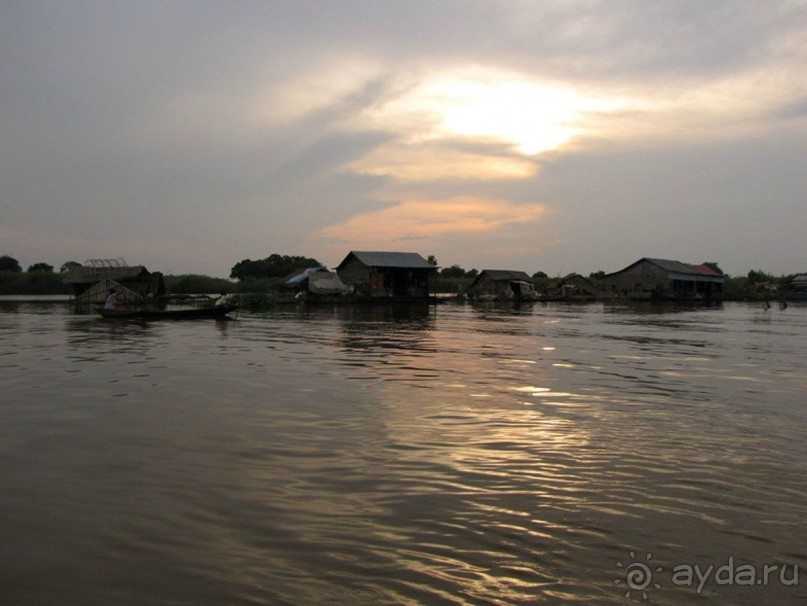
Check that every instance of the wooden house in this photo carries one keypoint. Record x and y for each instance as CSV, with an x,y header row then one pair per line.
x,y
501,284
572,287
91,282
386,275
663,279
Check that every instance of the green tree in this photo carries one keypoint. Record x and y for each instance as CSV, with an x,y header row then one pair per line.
x,y
273,266
8,263
539,275
193,284
43,267
432,260
455,271
757,276
68,265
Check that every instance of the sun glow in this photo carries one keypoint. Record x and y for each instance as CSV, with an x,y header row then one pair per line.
x,y
534,119
495,108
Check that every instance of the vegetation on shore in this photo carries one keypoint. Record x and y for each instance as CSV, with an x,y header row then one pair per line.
x,y
262,277
32,283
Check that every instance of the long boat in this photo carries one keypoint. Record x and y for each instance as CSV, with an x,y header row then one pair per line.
x,y
185,313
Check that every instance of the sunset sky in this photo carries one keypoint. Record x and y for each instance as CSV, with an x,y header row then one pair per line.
x,y
551,135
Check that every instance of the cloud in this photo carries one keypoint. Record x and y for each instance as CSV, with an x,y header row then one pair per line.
x,y
430,220
444,160
266,126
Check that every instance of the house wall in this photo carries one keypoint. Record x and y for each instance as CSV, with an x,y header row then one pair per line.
x,y
357,274
578,286
638,281
486,285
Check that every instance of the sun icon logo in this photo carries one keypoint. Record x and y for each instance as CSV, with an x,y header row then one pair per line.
x,y
638,575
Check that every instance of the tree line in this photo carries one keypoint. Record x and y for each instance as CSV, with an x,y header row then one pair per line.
x,y
11,265
263,275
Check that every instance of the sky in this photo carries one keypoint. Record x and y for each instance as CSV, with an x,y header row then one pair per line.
x,y
543,135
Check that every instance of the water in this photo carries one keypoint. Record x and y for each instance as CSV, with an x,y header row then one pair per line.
x,y
448,455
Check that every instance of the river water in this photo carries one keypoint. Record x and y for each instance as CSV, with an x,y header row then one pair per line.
x,y
397,455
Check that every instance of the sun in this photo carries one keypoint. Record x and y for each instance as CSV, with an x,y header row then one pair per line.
x,y
493,107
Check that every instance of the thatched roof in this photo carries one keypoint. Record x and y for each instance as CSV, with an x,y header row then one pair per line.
x,y
90,275
503,275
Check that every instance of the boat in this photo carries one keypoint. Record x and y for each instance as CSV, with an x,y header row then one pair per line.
x,y
185,313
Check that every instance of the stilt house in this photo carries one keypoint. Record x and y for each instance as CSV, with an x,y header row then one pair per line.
x,y
387,275
501,284
91,282
663,279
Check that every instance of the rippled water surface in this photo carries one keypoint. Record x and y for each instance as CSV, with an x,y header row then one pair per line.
x,y
443,455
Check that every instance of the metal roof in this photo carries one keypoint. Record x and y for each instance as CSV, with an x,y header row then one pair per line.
x,y
404,260
684,268
676,267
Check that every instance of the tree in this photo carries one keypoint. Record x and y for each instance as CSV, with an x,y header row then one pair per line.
x,y
455,271
273,266
68,265
43,267
8,263
539,275
757,276
472,273
432,260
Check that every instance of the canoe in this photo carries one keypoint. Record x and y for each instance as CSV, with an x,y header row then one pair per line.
x,y
185,313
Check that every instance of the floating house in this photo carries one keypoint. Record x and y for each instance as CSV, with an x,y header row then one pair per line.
x,y
501,284
572,287
663,279
796,289
386,275
92,281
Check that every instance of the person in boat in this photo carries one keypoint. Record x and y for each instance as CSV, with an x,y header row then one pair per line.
x,y
111,300
224,299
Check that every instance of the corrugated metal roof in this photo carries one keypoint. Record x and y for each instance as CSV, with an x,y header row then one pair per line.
x,y
683,268
404,260
676,267
705,270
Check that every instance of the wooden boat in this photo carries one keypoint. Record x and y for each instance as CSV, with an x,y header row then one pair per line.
x,y
185,313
